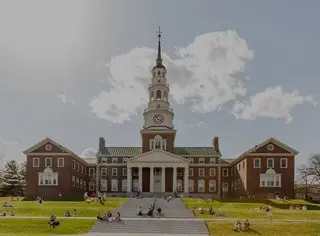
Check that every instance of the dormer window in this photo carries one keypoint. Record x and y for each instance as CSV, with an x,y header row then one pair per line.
x,y
158,143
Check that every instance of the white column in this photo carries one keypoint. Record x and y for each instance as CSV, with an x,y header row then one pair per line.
x,y
151,180
129,179
140,178
174,184
186,179
163,179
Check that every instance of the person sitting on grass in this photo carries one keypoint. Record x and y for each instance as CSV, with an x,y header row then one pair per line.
x,y
140,211
159,210
201,210
109,216
11,213
6,204
246,225
75,213
238,226
99,217
211,211
68,214
2,213
53,221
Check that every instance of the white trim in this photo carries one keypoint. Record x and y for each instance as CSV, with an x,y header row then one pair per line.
x,y
214,172
33,159
104,171
201,186
114,160
281,163
201,160
225,187
270,179
223,175
202,171
114,185
60,158
191,172
45,162
268,163
51,178
270,154
179,158
254,163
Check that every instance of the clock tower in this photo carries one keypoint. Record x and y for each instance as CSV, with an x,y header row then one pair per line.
x,y
158,131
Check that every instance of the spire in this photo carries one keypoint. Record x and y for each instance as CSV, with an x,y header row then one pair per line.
x,y
159,58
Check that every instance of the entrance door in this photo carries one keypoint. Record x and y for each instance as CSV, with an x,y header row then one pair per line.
x,y
135,185
157,186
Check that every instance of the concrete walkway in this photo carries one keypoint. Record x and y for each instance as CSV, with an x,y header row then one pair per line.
x,y
166,219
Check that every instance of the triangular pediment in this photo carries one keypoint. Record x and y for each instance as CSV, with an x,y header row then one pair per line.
x,y
158,156
47,145
271,146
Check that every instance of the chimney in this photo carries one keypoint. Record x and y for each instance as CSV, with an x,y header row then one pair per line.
x,y
102,144
215,143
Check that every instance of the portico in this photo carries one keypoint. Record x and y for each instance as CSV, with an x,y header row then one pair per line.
x,y
157,171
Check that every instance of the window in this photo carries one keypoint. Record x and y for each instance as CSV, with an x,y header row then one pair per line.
x,y
82,168
85,170
235,185
73,181
191,160
47,177
231,186
78,166
104,185
190,171
114,184
84,185
239,183
60,162
191,185
77,182
225,187
211,172
114,171
243,164
158,143
212,160
179,172
158,93
201,160
124,185
36,162
239,167
124,160
103,171
48,162
201,185
80,183
225,172
114,160
124,171
256,162
270,179
92,172
201,172
157,171
212,185
91,186
284,163
270,163
103,160
179,185
231,171
73,165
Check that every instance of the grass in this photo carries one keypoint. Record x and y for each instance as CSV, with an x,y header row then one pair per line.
x,y
267,229
39,227
251,210
33,208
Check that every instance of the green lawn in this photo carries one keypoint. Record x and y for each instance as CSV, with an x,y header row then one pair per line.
x,y
33,208
39,227
251,210
267,229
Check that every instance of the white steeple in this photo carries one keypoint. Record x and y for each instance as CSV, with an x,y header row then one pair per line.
x,y
158,115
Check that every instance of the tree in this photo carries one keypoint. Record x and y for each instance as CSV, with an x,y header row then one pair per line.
x,y
314,166
13,179
304,181
22,177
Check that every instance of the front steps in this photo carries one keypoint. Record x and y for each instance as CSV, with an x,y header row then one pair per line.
x,y
148,227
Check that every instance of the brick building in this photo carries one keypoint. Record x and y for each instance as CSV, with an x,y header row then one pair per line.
x,y
158,166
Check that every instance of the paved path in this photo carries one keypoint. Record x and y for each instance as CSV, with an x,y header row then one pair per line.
x,y
165,219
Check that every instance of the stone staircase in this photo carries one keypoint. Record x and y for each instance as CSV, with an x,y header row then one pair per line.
x,y
172,209
176,219
154,227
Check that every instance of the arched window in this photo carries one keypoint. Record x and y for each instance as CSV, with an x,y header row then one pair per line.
x,y
165,95
158,143
151,96
158,94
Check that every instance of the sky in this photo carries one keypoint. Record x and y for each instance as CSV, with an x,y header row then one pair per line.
x,y
77,70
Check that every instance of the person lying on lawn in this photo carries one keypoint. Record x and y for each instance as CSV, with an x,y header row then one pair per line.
x,y
68,214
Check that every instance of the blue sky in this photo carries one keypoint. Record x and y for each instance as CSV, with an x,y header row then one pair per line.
x,y
61,63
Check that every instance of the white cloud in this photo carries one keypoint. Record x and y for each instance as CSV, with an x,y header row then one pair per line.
x,y
89,152
5,142
65,99
201,76
273,102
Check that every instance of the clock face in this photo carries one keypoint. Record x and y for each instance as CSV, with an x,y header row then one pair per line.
x,y
158,119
